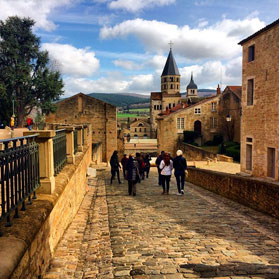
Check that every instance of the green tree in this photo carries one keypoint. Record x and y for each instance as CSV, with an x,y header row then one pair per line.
x,y
26,75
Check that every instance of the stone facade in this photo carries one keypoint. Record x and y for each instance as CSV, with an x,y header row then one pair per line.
x,y
260,103
140,129
81,108
199,117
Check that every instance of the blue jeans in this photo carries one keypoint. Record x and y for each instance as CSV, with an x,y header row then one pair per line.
x,y
180,180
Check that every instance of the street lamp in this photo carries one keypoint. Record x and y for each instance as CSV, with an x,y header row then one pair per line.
x,y
228,118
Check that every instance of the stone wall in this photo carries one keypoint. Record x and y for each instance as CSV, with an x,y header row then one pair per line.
x,y
259,121
194,153
80,109
27,246
259,194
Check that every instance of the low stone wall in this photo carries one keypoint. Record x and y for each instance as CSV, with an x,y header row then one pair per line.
x,y
255,193
27,247
194,153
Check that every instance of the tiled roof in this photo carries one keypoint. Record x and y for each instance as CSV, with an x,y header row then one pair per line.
x,y
236,90
156,96
170,67
259,32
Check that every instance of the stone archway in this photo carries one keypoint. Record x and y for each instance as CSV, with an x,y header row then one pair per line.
x,y
198,126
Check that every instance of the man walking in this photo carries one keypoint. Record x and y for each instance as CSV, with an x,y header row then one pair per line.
x,y
180,166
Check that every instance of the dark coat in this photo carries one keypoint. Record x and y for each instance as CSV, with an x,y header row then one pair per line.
x,y
179,164
114,163
132,168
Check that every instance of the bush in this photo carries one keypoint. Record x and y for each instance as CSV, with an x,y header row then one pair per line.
x,y
233,151
218,139
190,136
209,143
195,144
231,143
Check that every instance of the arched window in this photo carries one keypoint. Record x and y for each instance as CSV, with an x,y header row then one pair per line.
x,y
171,86
140,125
197,126
135,136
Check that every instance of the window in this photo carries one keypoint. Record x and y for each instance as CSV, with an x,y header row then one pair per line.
x,y
165,79
154,107
250,92
180,123
171,79
171,87
251,53
193,91
145,130
271,162
173,104
140,125
140,129
213,122
160,107
248,156
177,79
213,106
249,139
169,106
165,86
197,110
135,129
177,86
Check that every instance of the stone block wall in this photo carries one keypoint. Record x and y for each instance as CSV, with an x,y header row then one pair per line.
x,y
256,193
34,236
194,153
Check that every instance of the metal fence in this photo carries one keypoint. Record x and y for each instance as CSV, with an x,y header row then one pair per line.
x,y
19,175
75,141
59,150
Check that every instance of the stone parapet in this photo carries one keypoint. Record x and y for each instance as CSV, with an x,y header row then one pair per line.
x,y
31,241
260,194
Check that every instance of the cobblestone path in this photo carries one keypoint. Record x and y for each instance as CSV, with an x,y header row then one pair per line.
x,y
152,236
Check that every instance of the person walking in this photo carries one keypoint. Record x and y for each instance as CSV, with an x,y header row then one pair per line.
x,y
147,160
157,162
114,164
141,166
166,167
133,174
124,162
180,166
29,123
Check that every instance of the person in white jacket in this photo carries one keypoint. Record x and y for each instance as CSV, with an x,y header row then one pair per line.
x,y
166,167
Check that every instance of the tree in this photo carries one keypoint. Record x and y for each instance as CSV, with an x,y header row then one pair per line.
x,y
26,75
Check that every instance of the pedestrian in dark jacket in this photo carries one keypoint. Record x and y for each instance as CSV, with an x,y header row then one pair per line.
x,y
141,165
180,166
124,162
147,160
133,174
157,162
114,164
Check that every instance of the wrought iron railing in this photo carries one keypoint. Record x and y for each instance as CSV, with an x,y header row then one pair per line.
x,y
59,150
75,141
19,175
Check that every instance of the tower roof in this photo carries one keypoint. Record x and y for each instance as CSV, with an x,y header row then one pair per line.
x,y
192,84
170,67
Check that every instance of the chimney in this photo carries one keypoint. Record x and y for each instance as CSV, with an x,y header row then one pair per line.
x,y
218,90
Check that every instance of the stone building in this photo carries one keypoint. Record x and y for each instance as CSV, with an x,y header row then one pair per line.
x,y
260,103
140,129
170,95
230,113
82,108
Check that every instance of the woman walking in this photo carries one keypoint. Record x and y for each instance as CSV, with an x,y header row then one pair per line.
x,y
166,167
133,174
114,164
180,166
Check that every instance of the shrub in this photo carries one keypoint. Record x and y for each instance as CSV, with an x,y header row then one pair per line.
x,y
231,143
190,136
209,143
218,139
233,151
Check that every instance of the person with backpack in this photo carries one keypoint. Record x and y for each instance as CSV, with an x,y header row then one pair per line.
x,y
147,160
114,164
180,167
166,167
157,162
132,174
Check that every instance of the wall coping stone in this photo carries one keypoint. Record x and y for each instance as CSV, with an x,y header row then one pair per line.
x,y
42,133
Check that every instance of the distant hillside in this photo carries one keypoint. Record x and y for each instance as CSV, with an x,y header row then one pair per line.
x,y
120,100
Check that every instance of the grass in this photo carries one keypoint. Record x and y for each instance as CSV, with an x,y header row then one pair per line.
x,y
140,110
126,115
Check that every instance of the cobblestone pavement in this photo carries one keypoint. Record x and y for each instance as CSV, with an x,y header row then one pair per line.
x,y
153,236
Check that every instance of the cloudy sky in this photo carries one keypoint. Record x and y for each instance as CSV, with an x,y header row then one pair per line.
x,y
122,45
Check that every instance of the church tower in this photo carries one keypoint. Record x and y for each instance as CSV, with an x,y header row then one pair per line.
x,y
192,88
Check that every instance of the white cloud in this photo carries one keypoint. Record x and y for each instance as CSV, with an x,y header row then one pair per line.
x,y
39,10
73,61
218,41
127,64
137,5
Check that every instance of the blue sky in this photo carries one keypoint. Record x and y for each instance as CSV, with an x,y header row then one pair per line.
x,y
122,45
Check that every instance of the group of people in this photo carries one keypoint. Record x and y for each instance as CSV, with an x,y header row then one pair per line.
x,y
136,167
165,164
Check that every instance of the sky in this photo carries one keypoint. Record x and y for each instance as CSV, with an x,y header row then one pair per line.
x,y
121,46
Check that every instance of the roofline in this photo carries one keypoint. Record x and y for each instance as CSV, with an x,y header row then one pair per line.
x,y
228,86
259,32
80,93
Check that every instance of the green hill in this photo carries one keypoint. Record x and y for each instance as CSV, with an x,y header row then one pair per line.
x,y
119,100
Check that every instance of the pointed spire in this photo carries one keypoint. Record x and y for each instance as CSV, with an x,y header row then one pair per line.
x,y
170,67
192,84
